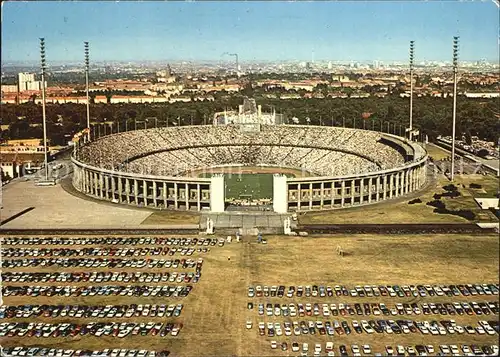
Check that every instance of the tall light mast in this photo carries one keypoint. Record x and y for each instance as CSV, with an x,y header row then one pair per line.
x,y
412,49
43,68
455,70
86,45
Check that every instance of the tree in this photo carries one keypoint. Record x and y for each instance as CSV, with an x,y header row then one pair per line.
x,y
108,96
5,176
391,114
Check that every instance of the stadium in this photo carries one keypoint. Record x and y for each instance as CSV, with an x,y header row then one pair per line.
x,y
248,160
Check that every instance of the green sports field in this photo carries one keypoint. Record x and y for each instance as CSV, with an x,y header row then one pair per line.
x,y
251,186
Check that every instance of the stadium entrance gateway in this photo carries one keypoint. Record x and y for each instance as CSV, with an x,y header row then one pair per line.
x,y
253,192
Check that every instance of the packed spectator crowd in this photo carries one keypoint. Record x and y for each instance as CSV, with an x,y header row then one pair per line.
x,y
324,151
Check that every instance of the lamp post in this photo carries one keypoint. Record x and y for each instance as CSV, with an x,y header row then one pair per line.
x,y
43,67
455,69
412,49
86,46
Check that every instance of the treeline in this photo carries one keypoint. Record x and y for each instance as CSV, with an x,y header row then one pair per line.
x,y
432,115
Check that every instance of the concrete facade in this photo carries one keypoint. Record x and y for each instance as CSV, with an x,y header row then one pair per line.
x,y
322,193
280,202
289,194
178,193
217,193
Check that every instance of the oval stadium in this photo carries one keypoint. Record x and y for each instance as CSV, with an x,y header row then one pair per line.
x,y
248,160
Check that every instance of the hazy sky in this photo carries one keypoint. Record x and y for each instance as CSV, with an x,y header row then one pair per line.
x,y
360,30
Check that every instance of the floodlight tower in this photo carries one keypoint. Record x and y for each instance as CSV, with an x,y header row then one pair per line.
x,y
412,49
455,70
237,63
86,46
43,68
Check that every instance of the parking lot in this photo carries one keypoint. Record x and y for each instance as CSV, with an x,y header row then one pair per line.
x,y
64,292
385,294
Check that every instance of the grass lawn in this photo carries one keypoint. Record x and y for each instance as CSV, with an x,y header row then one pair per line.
x,y
215,312
172,217
252,186
436,152
399,211
250,182
248,185
489,184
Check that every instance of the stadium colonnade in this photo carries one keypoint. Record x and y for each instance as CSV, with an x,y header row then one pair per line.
x,y
289,194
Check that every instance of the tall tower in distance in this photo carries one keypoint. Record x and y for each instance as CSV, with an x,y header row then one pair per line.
x,y
24,79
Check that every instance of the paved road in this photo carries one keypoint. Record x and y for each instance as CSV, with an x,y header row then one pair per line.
x,y
491,162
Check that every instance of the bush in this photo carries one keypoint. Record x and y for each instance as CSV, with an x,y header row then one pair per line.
x,y
467,214
495,211
451,194
450,188
475,185
416,200
441,210
483,153
437,203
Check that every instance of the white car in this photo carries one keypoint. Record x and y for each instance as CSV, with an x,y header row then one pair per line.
x,y
366,349
329,346
295,347
444,349
274,345
480,330
489,330
317,347
454,350
249,324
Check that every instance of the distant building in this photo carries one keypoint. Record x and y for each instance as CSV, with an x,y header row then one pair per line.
x,y
27,82
483,95
25,77
249,114
9,88
340,78
17,156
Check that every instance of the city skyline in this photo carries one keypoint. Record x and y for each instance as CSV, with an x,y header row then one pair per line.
x,y
278,31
